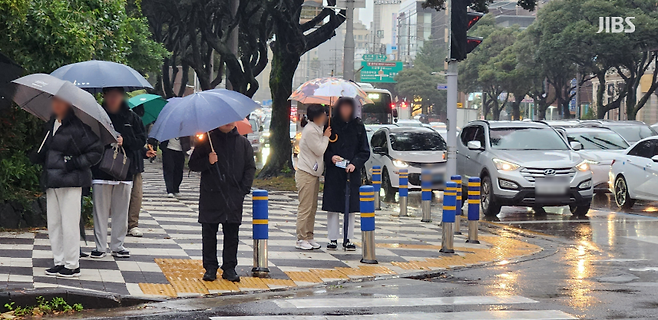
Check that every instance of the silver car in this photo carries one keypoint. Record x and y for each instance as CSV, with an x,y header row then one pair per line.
x,y
523,164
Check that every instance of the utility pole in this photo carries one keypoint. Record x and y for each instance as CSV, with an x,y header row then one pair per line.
x,y
348,59
451,77
233,38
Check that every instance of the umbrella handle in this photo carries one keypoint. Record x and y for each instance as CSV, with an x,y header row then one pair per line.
x,y
210,141
335,139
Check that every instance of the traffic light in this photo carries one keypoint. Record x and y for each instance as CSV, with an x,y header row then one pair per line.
x,y
460,21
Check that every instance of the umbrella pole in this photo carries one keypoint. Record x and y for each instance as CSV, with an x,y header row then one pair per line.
x,y
219,174
331,107
346,221
210,141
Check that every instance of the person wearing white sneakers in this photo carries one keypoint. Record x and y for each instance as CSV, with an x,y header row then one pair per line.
x,y
310,166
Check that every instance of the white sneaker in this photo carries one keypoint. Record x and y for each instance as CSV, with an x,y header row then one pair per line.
x,y
135,232
304,245
171,195
177,194
314,244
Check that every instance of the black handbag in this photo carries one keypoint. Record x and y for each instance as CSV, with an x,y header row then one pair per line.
x,y
115,163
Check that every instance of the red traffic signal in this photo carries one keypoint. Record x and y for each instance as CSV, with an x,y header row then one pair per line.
x,y
461,21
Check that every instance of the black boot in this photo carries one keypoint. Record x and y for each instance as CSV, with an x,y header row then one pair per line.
x,y
210,275
231,275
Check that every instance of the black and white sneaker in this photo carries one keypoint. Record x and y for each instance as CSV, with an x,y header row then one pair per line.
x,y
97,254
68,273
53,271
121,254
349,246
333,244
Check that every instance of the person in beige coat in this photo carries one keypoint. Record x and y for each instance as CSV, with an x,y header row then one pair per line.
x,y
310,166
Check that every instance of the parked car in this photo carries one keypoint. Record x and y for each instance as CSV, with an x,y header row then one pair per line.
x,y
409,123
632,131
523,164
256,137
634,174
395,148
600,146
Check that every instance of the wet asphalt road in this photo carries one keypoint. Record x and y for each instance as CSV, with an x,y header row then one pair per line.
x,y
604,266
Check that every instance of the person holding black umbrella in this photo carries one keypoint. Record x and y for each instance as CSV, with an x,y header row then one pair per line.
x,y
226,162
344,160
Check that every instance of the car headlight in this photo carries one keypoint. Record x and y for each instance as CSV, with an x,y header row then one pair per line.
x,y
400,163
585,165
505,165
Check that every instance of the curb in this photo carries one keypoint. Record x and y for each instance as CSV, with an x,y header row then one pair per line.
x,y
89,299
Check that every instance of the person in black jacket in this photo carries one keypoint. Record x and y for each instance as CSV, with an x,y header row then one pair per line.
x,y
173,163
227,172
352,145
112,196
67,152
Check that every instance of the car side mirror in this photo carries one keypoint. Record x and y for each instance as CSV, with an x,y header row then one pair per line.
x,y
654,158
474,145
379,150
576,145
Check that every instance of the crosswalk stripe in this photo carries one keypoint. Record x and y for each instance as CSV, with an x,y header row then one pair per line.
x,y
467,315
399,302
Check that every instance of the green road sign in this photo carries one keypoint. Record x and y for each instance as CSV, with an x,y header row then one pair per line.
x,y
374,57
374,71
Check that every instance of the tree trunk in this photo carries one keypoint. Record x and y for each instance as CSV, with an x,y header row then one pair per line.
x,y
631,101
516,110
284,64
495,110
600,107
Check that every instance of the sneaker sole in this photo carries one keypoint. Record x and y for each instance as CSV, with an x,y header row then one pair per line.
x,y
97,257
122,256
68,275
51,273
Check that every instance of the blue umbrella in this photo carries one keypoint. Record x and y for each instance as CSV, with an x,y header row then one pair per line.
x,y
94,75
201,112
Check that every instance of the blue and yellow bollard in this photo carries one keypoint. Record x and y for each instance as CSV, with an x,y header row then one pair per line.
x,y
473,209
367,194
377,184
404,191
426,194
259,228
448,220
458,203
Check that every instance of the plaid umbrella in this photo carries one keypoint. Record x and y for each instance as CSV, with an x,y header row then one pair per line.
x,y
328,90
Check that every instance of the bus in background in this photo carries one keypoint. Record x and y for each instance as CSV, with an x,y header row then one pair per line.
x,y
382,110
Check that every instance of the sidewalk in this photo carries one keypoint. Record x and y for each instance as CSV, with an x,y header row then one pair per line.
x,y
166,262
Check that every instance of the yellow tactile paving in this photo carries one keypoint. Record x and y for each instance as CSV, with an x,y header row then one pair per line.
x,y
329,274
377,270
189,286
251,283
355,272
303,276
279,283
220,285
158,289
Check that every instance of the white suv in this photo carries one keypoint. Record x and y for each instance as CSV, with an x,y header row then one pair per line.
x,y
523,164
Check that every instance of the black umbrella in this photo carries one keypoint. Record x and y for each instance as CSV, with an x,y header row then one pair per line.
x,y
10,71
347,209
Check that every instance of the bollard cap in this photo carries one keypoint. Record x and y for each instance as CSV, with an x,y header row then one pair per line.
x,y
473,179
451,184
456,178
260,193
366,189
376,167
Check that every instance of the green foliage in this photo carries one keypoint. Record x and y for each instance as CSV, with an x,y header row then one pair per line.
x,y
56,306
419,85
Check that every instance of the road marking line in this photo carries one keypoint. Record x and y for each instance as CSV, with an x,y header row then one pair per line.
x,y
398,302
468,315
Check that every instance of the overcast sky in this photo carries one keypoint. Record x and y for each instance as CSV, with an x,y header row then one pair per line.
x,y
366,14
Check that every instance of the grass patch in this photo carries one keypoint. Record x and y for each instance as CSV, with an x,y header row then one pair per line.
x,y
280,183
56,306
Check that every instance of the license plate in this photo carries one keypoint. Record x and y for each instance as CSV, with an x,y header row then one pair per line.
x,y
550,187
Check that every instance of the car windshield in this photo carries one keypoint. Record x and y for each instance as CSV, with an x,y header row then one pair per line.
x,y
599,140
417,141
633,133
526,139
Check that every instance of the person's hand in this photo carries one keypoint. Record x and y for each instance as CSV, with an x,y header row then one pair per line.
x,y
350,168
120,140
327,132
212,158
151,154
336,159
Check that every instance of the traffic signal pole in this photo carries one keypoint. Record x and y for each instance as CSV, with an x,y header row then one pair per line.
x,y
451,77
348,59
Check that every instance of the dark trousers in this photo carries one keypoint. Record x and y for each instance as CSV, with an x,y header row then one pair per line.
x,y
229,251
173,164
